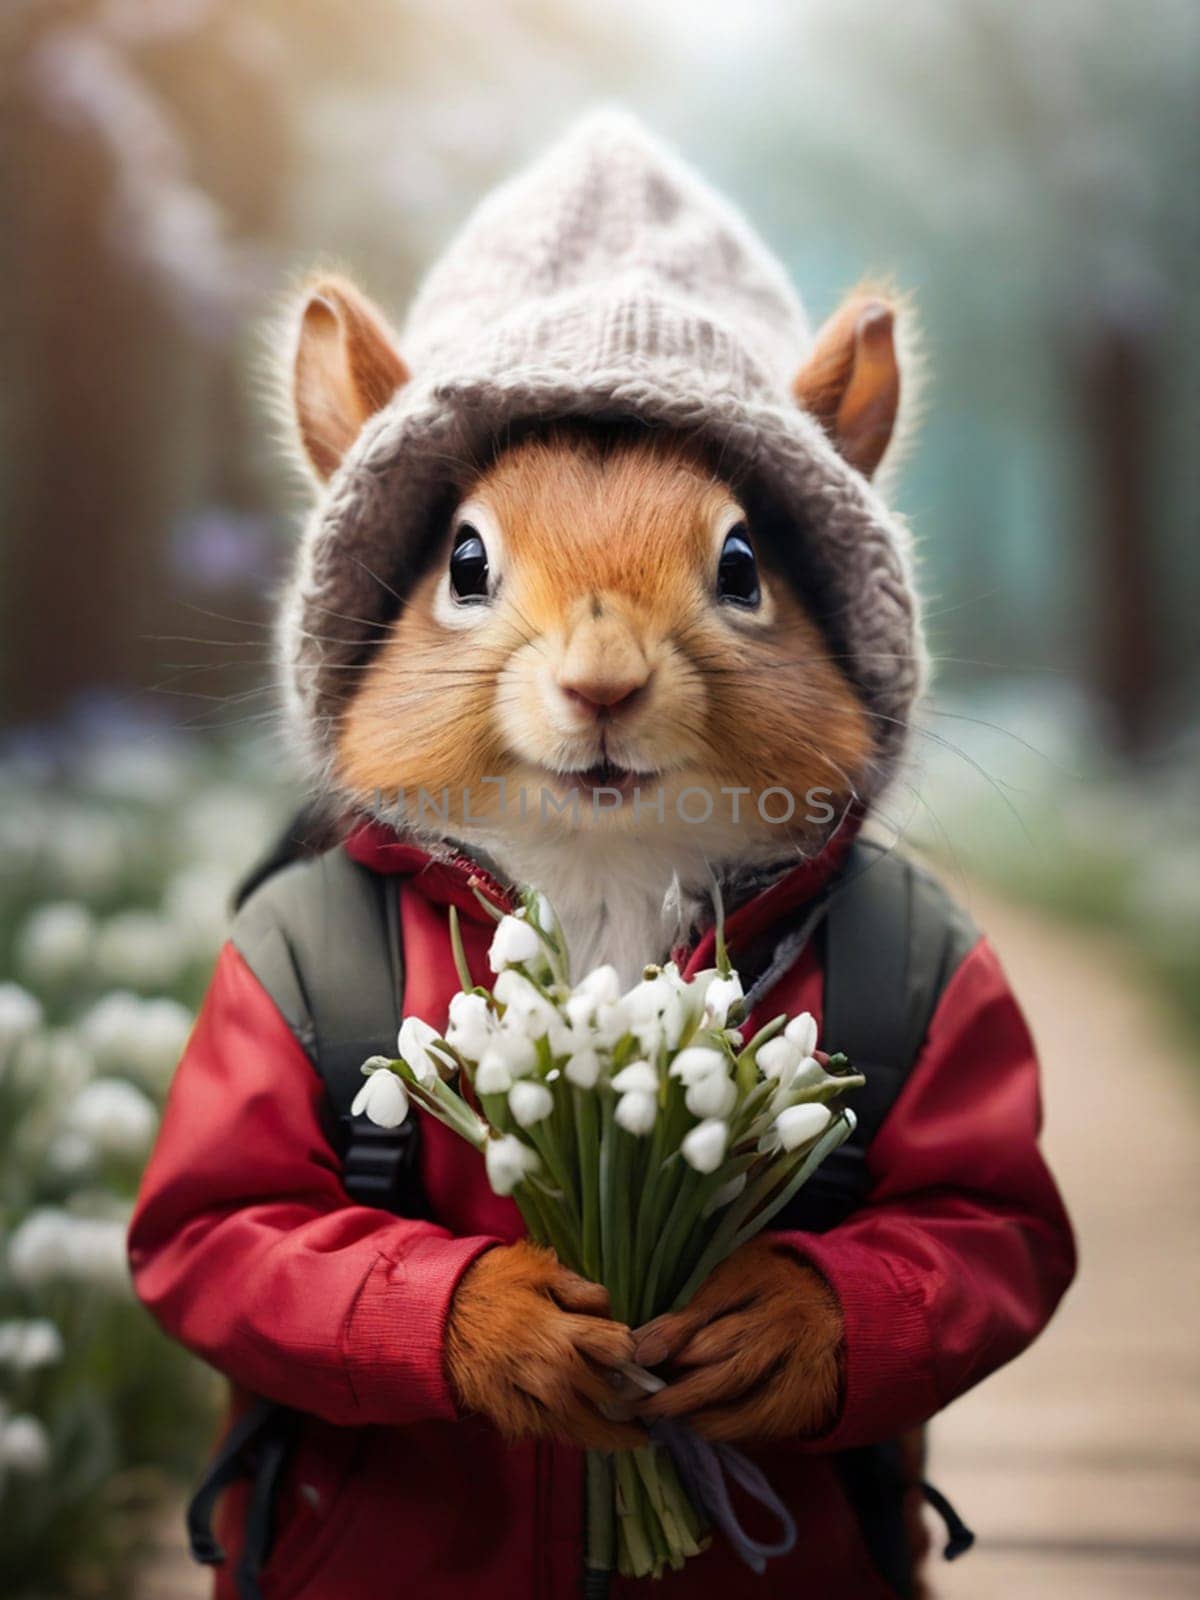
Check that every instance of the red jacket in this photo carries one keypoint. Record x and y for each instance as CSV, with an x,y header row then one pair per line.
x,y
245,1246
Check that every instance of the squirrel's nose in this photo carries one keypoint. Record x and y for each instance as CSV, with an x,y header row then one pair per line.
x,y
603,669
602,695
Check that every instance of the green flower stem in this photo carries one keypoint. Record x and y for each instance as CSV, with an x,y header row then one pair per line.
x,y
762,1201
601,1548
587,1135
636,1551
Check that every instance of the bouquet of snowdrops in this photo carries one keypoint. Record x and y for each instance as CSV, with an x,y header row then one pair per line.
x,y
642,1137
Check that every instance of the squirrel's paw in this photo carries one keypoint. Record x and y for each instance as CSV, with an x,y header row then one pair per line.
x,y
530,1345
755,1354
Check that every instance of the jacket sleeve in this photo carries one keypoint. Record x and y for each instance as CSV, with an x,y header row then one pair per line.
x,y
964,1249
245,1247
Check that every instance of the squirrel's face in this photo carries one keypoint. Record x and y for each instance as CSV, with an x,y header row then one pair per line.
x,y
603,638
601,629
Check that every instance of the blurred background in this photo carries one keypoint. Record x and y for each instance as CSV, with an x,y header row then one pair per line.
x,y
167,167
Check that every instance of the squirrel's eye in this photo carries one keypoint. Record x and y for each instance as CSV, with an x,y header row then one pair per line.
x,y
468,565
737,570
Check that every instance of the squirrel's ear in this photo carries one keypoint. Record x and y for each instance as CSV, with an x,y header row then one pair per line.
x,y
851,379
346,369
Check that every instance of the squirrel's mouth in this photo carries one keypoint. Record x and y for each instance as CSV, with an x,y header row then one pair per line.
x,y
608,775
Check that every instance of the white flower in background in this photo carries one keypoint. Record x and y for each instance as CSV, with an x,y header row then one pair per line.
x,y
636,1111
417,1045
639,1077
719,998
583,1069
802,1032
383,1099
196,900
471,1025
114,1116
54,944
139,948
70,1155
145,1037
38,1248
24,1447
610,1023
704,1147
515,941
799,1125
51,1243
696,1062
86,853
530,1102
508,1160
20,1017
713,1095
27,1345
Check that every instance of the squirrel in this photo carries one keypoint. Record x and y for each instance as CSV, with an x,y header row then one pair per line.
x,y
597,595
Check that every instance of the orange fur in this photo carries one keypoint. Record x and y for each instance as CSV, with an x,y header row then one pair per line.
x,y
530,1346
615,541
755,1354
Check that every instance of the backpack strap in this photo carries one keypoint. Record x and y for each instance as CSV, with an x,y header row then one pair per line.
x,y
322,936
893,940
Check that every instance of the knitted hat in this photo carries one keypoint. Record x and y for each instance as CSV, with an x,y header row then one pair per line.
x,y
607,281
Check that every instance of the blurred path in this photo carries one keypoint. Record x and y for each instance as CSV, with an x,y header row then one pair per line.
x,y
1078,1466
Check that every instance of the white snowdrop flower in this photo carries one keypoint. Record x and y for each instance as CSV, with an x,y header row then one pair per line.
x,y
713,1095
55,942
704,1147
516,1050
544,913
508,1160
24,1447
492,1075
513,942
638,1077
579,1010
20,1015
728,1192
29,1344
383,1100
417,1046
139,948
610,1023
471,1025
696,1062
525,1007
798,1125
647,1000
636,1111
778,1058
797,1081
601,986
721,995
114,1116
530,1102
38,1248
583,1069
802,1032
